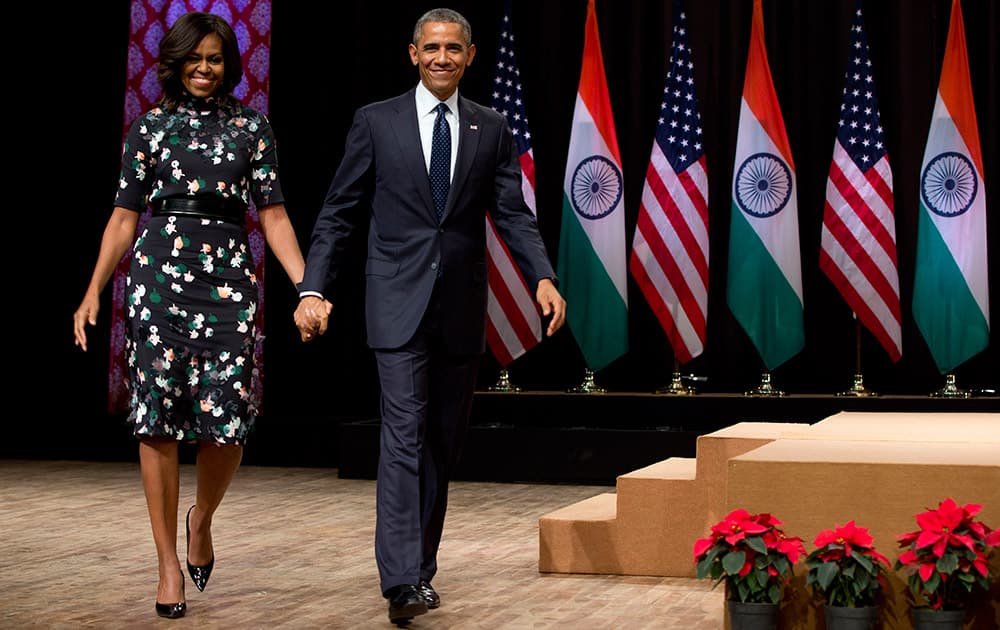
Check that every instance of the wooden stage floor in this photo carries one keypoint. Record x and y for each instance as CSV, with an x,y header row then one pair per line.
x,y
294,549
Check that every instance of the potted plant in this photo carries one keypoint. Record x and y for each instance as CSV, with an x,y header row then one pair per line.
x,y
753,557
847,575
945,561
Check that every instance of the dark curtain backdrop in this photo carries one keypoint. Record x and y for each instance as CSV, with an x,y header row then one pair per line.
x,y
329,58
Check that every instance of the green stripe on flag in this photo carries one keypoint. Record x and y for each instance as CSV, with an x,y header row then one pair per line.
x,y
943,307
595,311
760,296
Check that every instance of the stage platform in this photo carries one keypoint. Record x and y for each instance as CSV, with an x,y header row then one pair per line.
x,y
558,437
879,469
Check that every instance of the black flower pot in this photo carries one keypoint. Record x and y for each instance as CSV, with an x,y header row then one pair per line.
x,y
847,618
930,619
752,616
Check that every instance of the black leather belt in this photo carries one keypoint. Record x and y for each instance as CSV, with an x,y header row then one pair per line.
x,y
204,207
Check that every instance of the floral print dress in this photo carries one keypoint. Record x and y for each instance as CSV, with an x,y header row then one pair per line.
x,y
191,294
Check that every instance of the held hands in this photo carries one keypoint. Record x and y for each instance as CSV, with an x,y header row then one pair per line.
x,y
552,303
311,316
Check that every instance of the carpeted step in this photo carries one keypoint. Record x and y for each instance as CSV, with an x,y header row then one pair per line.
x,y
580,538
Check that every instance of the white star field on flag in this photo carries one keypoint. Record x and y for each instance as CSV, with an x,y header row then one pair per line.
x,y
678,130
507,90
859,129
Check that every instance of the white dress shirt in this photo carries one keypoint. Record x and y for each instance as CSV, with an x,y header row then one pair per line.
x,y
426,114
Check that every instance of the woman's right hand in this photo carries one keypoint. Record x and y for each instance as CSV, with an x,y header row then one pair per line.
x,y
85,314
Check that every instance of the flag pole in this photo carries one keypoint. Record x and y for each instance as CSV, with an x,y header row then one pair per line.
x,y
676,387
765,388
857,388
588,386
950,389
503,383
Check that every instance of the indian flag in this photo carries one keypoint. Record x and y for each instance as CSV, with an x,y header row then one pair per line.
x,y
764,287
951,287
591,267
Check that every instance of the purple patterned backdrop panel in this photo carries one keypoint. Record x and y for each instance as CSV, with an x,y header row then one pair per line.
x,y
251,19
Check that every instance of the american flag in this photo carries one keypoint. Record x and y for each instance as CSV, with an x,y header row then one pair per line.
x,y
513,325
669,257
858,244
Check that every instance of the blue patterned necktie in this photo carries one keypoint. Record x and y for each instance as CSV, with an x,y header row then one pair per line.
x,y
440,171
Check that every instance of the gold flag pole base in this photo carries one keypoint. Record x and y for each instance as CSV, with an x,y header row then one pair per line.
x,y
588,386
764,388
950,390
858,389
676,387
503,383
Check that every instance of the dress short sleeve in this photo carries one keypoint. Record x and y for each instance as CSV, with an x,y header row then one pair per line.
x,y
265,187
138,163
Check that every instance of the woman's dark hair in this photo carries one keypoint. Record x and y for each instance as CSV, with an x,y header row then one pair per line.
x,y
182,38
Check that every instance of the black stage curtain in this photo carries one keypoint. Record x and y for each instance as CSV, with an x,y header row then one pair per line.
x,y
329,58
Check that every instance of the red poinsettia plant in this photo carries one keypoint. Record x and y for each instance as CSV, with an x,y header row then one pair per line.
x,y
845,569
946,560
751,554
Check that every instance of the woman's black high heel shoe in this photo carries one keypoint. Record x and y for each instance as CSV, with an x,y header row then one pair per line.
x,y
199,575
173,611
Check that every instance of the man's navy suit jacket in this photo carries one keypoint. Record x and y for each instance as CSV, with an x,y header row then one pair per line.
x,y
383,175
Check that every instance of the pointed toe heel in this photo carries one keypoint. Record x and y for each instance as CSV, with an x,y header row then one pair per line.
x,y
173,611
199,574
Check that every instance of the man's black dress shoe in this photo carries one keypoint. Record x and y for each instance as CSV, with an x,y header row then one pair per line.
x,y
429,594
405,603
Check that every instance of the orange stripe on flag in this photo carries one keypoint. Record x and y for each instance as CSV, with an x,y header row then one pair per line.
x,y
758,88
593,90
955,86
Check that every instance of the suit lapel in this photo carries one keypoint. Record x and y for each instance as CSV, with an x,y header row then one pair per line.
x,y
468,144
406,126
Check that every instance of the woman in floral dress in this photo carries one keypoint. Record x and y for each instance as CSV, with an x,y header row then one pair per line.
x,y
199,157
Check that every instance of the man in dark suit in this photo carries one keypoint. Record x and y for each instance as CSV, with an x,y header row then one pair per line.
x,y
426,284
